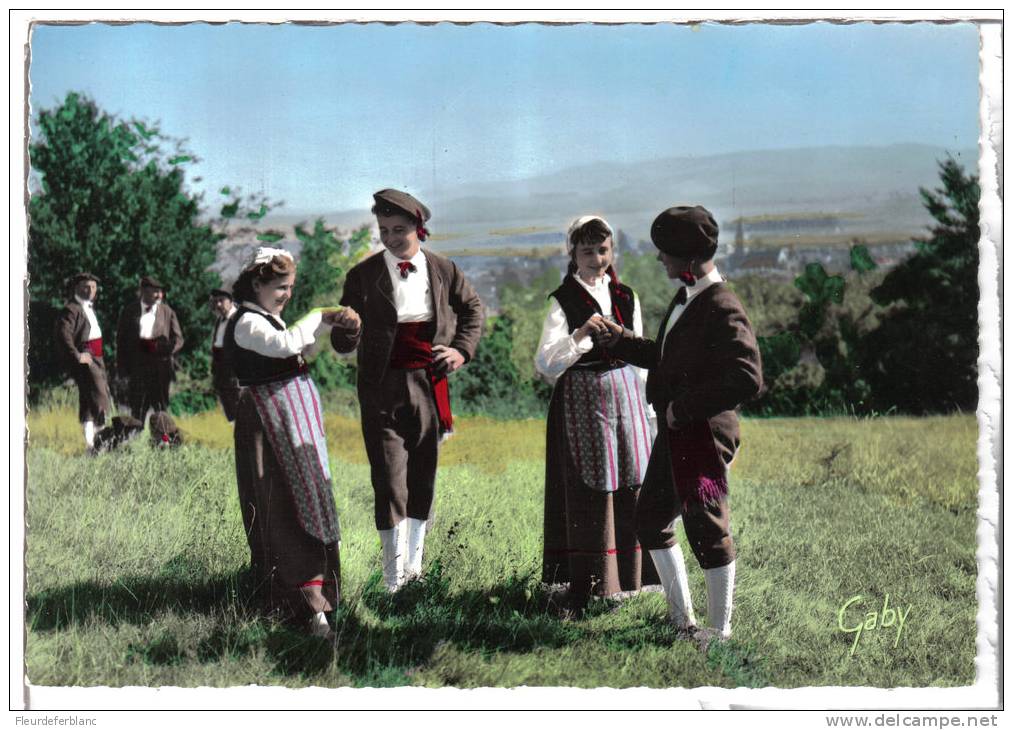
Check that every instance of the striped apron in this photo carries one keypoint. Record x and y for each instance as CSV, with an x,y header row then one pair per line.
x,y
291,413
607,427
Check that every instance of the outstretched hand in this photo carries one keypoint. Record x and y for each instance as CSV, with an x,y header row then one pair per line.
x,y
609,334
446,359
343,319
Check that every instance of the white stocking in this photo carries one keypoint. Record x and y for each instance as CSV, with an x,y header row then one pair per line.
x,y
720,589
672,571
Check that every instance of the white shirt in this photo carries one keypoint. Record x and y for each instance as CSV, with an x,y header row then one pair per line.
x,y
256,334
411,295
147,320
713,277
88,307
219,340
558,349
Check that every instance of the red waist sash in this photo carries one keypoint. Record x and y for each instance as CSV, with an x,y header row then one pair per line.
x,y
699,473
148,345
413,350
95,347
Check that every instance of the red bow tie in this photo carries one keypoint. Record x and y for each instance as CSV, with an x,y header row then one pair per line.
x,y
406,267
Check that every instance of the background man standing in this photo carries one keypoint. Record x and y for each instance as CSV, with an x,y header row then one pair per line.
x,y
415,319
223,377
79,343
148,337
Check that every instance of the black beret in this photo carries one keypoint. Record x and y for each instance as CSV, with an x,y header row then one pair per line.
x,y
395,202
686,231
82,276
152,282
221,293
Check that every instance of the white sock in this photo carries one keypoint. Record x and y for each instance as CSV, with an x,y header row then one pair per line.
x,y
394,543
319,625
720,589
89,433
674,579
416,541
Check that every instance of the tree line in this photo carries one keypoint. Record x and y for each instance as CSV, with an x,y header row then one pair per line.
x,y
111,196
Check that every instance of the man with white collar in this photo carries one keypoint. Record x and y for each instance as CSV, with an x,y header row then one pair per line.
x,y
703,365
223,376
148,337
415,319
79,343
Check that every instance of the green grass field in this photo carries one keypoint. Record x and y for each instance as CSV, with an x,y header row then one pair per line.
x,y
136,568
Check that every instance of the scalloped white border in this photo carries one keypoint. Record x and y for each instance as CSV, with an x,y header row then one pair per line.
x,y
984,693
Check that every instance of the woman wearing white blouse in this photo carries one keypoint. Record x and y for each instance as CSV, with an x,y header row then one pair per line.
x,y
599,431
282,467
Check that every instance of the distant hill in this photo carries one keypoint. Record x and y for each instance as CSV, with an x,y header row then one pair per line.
x,y
877,185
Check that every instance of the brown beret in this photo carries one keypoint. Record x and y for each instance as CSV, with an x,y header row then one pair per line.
x,y
152,282
82,276
686,231
396,202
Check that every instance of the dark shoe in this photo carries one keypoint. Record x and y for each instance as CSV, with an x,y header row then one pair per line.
x,y
569,605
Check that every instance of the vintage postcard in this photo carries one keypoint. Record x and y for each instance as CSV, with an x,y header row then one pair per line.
x,y
367,357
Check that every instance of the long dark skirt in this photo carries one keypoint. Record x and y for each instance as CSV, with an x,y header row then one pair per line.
x,y
296,573
590,539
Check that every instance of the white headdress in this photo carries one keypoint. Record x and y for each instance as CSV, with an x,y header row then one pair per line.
x,y
264,254
577,224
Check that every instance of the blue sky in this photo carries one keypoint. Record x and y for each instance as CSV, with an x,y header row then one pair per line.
x,y
322,116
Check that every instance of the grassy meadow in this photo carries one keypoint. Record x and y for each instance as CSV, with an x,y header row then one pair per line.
x,y
136,567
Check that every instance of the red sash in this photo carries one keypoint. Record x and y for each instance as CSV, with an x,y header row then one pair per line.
x,y
95,347
698,471
217,354
148,345
413,349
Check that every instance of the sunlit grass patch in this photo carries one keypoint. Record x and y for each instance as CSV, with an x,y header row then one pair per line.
x,y
136,569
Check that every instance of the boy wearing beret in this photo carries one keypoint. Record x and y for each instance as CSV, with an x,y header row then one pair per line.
x,y
414,319
148,337
79,344
703,365
223,376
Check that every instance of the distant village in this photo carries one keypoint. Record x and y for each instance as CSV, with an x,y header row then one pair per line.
x,y
774,246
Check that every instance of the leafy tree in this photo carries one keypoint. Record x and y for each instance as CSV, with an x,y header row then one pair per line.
x,y
770,303
655,290
812,363
526,306
111,198
323,263
922,357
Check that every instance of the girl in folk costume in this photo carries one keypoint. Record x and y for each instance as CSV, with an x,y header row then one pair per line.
x,y
281,454
599,428
79,343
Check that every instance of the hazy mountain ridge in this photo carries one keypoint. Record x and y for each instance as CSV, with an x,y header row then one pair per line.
x,y
864,180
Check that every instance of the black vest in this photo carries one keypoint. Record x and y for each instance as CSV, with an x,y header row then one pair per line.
x,y
252,368
578,305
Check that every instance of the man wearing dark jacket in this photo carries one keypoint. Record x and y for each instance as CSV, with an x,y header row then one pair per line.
x,y
79,344
223,376
703,365
148,337
415,319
